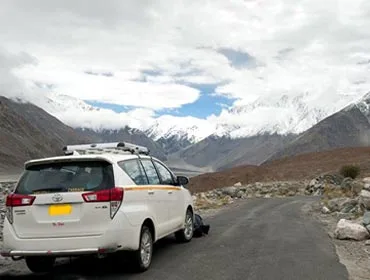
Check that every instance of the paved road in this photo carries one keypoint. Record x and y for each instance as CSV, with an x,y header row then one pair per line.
x,y
255,239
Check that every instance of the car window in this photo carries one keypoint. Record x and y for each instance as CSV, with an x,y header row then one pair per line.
x,y
150,172
66,177
135,171
164,173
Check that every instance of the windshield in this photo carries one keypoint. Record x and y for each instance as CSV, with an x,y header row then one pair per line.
x,y
66,177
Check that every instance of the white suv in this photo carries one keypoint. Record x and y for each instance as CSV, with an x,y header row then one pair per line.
x,y
111,197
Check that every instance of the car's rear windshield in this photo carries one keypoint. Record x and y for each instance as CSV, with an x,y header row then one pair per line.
x,y
66,177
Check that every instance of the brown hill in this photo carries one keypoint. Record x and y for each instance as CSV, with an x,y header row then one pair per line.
x,y
303,166
27,132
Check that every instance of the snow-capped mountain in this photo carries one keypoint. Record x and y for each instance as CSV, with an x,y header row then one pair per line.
x,y
56,104
281,115
180,128
278,115
349,127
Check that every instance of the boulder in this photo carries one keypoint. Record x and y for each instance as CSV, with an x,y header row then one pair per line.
x,y
240,194
325,210
366,180
365,199
347,230
366,218
342,204
347,184
238,184
230,191
356,187
315,187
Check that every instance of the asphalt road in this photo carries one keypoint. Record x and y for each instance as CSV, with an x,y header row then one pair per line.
x,y
254,239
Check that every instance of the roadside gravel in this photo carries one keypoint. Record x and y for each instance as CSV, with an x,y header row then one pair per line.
x,y
355,255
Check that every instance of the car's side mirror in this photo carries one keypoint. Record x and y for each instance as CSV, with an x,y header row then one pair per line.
x,y
182,180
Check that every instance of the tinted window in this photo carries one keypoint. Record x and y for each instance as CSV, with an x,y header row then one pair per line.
x,y
134,169
150,172
166,177
66,177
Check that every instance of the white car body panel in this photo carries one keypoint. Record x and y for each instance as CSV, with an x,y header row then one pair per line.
x,y
89,228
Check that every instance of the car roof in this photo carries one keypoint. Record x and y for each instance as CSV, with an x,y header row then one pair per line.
x,y
112,158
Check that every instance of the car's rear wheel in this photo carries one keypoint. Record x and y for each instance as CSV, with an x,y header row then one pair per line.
x,y
186,234
40,264
143,256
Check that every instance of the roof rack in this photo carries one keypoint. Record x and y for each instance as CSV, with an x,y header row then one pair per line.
x,y
103,148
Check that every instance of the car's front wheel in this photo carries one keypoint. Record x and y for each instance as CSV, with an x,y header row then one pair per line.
x,y
186,234
40,264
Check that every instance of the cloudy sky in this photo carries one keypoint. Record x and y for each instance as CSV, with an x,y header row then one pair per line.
x,y
185,58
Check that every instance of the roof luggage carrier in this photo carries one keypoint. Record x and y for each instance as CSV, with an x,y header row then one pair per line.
x,y
103,148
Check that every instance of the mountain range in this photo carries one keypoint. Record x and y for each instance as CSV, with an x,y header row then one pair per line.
x,y
41,127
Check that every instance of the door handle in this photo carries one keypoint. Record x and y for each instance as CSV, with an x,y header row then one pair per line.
x,y
150,191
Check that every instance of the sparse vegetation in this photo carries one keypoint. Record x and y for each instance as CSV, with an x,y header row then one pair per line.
x,y
351,171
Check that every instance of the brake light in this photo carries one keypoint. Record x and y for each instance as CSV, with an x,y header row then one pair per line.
x,y
114,196
16,200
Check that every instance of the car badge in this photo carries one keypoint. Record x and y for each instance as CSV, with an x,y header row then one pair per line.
x,y
57,197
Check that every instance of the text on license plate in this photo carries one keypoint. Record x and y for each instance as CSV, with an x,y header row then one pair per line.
x,y
60,209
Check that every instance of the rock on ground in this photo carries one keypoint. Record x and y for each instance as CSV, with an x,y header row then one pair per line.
x,y
365,199
349,230
342,204
316,186
227,195
5,189
366,219
325,210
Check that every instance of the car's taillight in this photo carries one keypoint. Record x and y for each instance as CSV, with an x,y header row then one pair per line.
x,y
114,196
16,200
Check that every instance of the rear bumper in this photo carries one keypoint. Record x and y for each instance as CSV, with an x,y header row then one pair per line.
x,y
76,252
120,235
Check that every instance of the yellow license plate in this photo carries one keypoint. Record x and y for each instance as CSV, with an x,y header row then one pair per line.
x,y
60,209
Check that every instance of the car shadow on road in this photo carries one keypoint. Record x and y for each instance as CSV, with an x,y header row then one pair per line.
x,y
115,265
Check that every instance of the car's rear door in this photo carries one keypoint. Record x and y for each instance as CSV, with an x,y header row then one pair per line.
x,y
63,199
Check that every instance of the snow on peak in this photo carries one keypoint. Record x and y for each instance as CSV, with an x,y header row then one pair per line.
x,y
55,103
282,115
189,128
363,105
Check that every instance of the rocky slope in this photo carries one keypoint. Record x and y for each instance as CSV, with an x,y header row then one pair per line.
x,y
27,131
349,127
125,134
224,152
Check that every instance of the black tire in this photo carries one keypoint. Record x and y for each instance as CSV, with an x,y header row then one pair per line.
x,y
40,264
186,234
145,249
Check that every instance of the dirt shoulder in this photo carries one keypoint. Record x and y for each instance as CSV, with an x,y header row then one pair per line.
x,y
355,255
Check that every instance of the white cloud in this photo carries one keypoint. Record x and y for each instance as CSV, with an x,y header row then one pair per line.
x,y
154,48
10,84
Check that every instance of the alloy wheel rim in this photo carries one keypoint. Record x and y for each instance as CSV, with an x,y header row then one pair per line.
x,y
146,248
188,226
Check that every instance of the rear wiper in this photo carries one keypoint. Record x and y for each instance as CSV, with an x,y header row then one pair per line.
x,y
50,190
